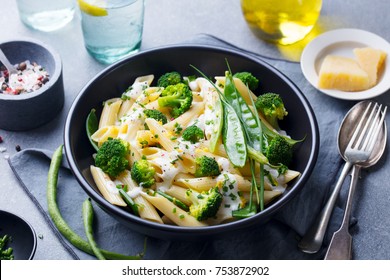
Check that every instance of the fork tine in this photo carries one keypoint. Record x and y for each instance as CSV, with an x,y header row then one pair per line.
x,y
368,124
357,129
373,124
376,132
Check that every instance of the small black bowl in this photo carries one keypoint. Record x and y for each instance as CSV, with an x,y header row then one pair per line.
x,y
114,80
30,110
23,237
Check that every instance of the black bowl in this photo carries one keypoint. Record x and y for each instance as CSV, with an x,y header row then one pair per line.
x,y
30,110
24,239
115,79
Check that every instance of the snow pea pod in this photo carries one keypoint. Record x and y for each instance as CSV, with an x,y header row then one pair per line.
x,y
247,117
92,125
234,137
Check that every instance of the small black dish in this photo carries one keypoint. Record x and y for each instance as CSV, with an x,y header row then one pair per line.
x,y
114,80
24,239
30,110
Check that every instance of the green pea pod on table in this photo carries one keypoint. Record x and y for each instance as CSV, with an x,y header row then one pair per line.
x,y
55,214
88,225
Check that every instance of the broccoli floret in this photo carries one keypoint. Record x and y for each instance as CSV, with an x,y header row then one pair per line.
x,y
193,134
155,114
279,151
178,97
204,205
168,79
143,173
112,157
206,166
248,79
272,107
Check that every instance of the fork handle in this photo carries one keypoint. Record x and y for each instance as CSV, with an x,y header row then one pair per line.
x,y
340,247
311,242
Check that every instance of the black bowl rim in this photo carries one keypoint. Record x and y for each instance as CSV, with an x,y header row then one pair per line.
x,y
22,220
53,78
202,231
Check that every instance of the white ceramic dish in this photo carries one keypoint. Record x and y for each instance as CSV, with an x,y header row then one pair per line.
x,y
342,42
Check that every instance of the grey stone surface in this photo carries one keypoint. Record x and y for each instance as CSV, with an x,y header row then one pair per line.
x,y
169,22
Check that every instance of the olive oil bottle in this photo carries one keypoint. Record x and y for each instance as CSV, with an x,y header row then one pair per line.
x,y
281,21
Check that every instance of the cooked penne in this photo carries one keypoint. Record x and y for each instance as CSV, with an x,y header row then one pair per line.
x,y
102,134
183,120
205,183
145,209
179,193
110,112
174,213
106,186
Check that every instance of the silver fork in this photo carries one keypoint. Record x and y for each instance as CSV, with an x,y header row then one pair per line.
x,y
340,247
358,150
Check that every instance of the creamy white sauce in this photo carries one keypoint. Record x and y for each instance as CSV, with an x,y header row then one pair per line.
x,y
210,116
231,200
135,117
136,90
111,187
199,122
224,164
279,179
194,86
135,192
186,147
169,170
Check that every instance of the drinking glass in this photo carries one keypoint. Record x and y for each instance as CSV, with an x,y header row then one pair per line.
x,y
46,15
283,21
112,29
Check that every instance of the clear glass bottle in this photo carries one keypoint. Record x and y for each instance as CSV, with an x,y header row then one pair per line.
x,y
283,21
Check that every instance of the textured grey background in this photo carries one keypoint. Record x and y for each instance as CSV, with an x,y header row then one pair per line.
x,y
170,21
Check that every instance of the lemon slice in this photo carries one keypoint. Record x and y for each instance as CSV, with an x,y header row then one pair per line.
x,y
92,10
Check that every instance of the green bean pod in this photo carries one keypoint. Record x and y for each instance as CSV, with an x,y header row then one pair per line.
x,y
58,220
88,226
129,201
174,200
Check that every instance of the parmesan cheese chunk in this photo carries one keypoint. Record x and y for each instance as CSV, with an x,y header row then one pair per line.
x,y
371,61
342,73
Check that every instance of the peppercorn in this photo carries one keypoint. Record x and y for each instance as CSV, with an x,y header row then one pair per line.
x,y
22,66
18,148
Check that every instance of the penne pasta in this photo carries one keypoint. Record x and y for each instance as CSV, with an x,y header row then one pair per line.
x,y
174,213
110,112
205,183
146,209
106,186
183,120
179,193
